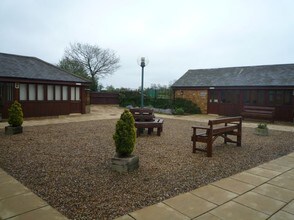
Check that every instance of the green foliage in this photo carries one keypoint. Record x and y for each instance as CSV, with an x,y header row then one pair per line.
x,y
262,125
125,134
134,98
179,111
15,114
187,105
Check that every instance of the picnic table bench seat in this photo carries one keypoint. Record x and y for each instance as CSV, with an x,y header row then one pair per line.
x,y
145,118
221,127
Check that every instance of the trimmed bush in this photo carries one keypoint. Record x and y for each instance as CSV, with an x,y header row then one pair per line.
x,y
187,105
15,114
179,111
125,134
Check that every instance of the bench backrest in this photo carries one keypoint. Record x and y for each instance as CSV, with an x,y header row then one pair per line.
x,y
265,109
237,119
142,114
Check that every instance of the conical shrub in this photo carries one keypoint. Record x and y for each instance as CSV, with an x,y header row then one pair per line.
x,y
15,114
125,134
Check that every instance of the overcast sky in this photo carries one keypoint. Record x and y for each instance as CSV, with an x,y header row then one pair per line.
x,y
176,35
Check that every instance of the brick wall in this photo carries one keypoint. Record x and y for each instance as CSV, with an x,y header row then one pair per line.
x,y
199,97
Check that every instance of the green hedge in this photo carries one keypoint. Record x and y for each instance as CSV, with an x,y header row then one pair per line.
x,y
134,98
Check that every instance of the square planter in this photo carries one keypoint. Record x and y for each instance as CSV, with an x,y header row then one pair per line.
x,y
9,130
261,131
124,164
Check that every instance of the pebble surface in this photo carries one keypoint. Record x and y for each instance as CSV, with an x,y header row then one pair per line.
x,y
69,165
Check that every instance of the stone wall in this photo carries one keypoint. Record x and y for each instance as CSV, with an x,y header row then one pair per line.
x,y
199,97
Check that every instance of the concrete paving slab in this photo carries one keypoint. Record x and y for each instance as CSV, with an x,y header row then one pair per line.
x,y
5,178
275,192
44,213
233,185
207,216
250,178
233,211
284,161
281,215
20,204
285,180
263,172
189,204
214,194
275,167
158,211
124,217
260,202
289,208
11,188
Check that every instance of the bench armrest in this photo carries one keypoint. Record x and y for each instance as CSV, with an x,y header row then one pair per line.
x,y
200,127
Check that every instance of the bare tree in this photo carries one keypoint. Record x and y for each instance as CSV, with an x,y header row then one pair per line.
x,y
97,62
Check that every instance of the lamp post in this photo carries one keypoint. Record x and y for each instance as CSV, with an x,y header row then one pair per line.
x,y
142,62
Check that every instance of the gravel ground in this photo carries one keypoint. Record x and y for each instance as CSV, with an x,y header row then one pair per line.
x,y
68,165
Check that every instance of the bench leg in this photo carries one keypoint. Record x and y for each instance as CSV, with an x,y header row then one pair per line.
x,y
150,130
194,147
238,140
159,130
209,148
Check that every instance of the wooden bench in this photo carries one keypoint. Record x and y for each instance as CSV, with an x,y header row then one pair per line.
x,y
150,125
142,114
144,118
260,112
221,127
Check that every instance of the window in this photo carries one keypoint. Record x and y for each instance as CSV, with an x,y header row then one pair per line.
x,y
280,97
40,93
32,92
253,97
9,91
213,96
57,93
75,93
22,92
72,94
50,93
230,96
64,93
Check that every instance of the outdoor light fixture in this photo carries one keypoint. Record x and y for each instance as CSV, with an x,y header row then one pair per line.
x,y
143,61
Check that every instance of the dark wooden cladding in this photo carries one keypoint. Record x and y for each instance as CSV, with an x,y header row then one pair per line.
x,y
104,98
49,108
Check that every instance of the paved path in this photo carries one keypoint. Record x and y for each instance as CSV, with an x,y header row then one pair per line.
x,y
264,192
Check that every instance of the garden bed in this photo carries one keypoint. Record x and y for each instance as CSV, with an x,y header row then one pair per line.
x,y
69,165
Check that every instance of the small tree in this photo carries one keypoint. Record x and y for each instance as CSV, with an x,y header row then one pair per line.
x,y
125,134
15,114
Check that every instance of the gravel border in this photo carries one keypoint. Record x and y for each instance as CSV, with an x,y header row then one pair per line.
x,y
68,165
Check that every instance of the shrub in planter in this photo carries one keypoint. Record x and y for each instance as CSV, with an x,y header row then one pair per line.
x,y
15,114
15,119
261,129
125,134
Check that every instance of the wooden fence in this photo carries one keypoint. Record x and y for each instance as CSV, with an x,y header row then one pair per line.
x,y
104,98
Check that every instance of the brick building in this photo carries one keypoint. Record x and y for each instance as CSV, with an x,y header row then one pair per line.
x,y
225,91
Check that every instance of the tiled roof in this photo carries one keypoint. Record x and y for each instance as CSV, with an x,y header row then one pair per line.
x,y
267,75
25,67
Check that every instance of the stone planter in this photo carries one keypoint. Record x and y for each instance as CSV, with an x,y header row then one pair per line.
x,y
261,131
9,130
124,164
